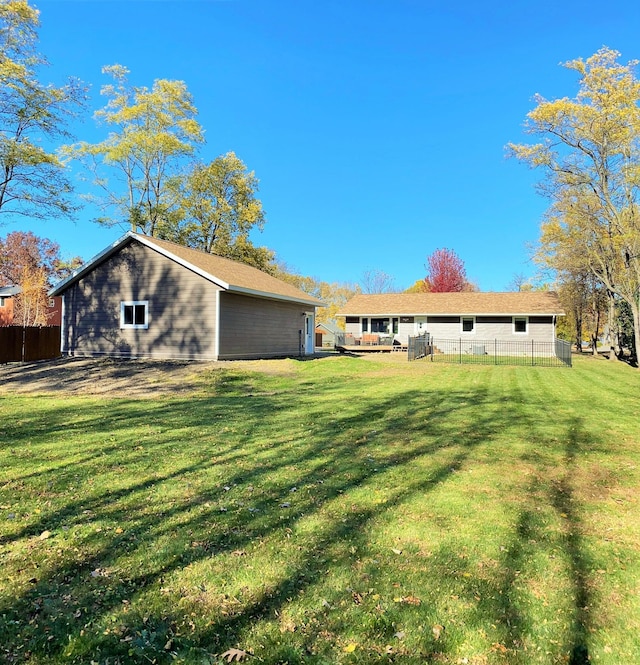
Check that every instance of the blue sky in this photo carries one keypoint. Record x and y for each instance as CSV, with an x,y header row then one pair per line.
x,y
376,127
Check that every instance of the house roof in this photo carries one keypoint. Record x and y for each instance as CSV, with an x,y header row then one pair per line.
x,y
329,326
6,291
230,275
471,303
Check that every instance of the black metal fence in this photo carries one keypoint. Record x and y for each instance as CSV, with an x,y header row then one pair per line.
x,y
497,352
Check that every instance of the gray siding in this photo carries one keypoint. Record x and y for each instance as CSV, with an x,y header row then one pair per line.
x,y
181,309
259,328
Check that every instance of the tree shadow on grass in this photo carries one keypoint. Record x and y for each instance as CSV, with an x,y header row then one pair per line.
x,y
241,497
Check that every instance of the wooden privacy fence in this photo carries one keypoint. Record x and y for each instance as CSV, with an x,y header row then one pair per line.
x,y
18,344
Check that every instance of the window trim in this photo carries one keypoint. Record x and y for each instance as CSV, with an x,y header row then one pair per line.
x,y
526,325
473,322
134,303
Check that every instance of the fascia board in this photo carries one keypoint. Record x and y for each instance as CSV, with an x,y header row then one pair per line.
x,y
474,313
273,296
89,265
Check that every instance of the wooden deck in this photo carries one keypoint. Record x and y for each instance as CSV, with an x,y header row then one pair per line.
x,y
372,348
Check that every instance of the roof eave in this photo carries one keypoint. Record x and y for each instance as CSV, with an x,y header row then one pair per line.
x,y
273,296
80,272
458,313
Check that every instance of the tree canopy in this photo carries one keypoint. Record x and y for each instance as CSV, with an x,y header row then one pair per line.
x,y
33,116
33,264
217,206
152,132
590,159
445,272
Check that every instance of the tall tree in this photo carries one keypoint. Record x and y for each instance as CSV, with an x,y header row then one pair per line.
x,y
152,135
218,207
30,305
590,157
377,281
22,250
32,116
33,264
445,272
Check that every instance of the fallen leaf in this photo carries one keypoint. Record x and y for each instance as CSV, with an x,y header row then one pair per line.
x,y
395,551
399,635
437,631
44,535
234,654
350,648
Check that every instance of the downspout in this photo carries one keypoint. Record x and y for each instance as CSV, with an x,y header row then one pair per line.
x,y
216,339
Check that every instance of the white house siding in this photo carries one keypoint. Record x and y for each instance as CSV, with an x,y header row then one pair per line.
x,y
181,309
444,327
539,328
354,329
406,329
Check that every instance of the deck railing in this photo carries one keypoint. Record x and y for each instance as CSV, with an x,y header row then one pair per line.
x,y
499,352
418,347
366,339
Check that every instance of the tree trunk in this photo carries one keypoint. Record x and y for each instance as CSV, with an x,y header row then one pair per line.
x,y
635,310
614,336
578,318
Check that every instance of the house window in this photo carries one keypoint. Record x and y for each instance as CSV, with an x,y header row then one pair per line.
x,y
468,324
394,326
2,301
134,314
520,324
380,326
365,325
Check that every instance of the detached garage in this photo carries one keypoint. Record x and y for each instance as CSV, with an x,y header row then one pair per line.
x,y
145,297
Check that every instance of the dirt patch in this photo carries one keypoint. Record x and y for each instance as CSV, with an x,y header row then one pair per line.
x,y
123,377
102,376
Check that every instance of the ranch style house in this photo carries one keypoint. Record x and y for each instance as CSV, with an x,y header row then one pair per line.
x,y
390,319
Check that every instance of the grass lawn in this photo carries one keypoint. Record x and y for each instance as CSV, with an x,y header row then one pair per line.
x,y
340,510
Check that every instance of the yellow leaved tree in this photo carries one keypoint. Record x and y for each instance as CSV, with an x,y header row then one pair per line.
x,y
589,152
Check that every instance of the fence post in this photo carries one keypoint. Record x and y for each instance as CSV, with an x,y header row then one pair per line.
x,y
495,351
532,355
460,351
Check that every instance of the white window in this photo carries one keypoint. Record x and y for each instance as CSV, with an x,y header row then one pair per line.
x,y
134,314
520,325
468,324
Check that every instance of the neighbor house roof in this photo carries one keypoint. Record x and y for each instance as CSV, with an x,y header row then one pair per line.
x,y
229,275
6,291
472,302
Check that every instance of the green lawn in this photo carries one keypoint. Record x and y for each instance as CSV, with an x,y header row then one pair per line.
x,y
340,510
